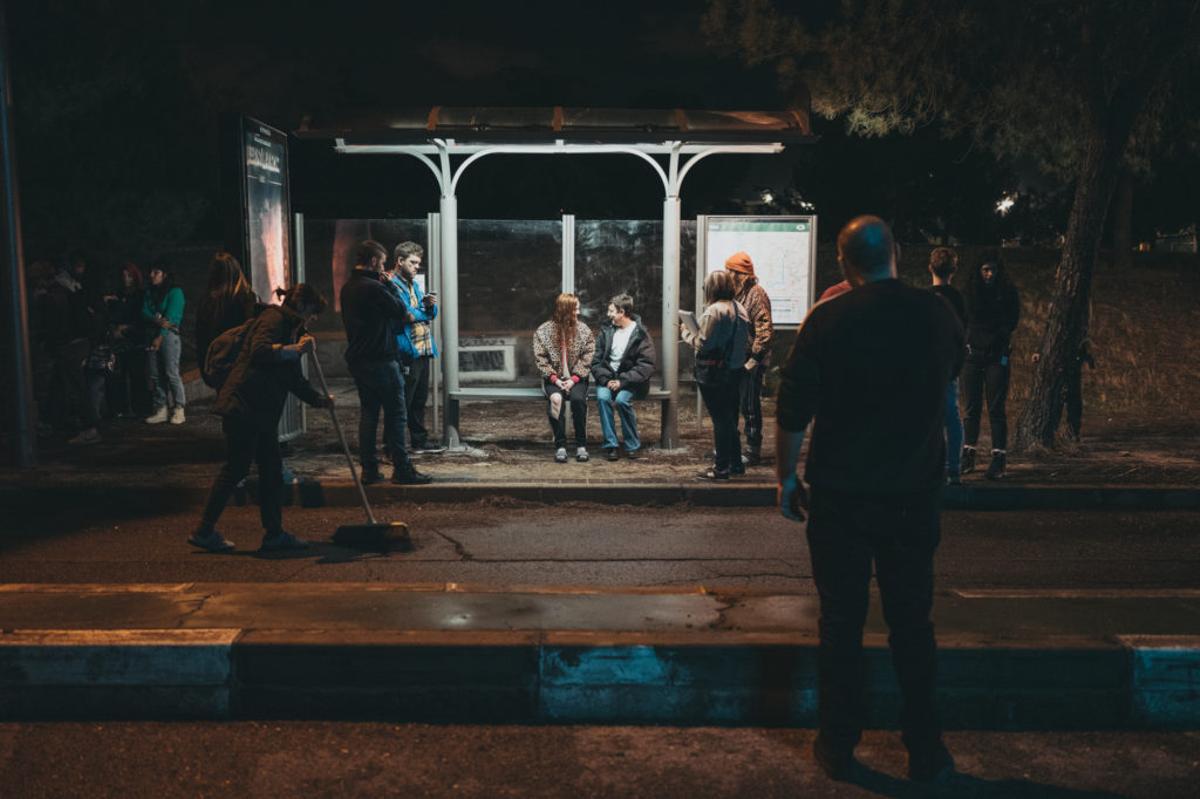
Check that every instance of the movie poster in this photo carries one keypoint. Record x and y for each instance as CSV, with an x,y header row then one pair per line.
x,y
267,211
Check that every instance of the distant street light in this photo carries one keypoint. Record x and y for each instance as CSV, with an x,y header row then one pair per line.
x,y
1007,201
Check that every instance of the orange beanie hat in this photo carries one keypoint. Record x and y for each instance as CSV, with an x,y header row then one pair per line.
x,y
740,262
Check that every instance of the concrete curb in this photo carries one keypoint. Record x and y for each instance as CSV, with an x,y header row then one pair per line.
x,y
1135,682
338,493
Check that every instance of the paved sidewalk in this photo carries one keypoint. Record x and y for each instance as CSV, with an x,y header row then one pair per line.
x,y
1119,465
1008,660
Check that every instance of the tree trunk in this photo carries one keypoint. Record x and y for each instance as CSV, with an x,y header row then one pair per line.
x,y
1072,285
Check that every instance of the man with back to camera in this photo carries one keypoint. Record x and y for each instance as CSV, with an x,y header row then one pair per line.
x,y
415,340
622,367
372,313
754,299
943,263
870,370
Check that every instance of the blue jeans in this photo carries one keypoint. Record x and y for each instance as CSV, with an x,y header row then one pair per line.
x,y
380,387
954,430
624,403
164,372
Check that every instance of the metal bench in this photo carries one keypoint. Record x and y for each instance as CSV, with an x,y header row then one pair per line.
x,y
482,393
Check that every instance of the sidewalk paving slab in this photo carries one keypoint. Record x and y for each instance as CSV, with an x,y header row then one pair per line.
x,y
370,651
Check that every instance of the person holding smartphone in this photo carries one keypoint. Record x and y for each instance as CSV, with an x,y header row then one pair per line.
x,y
415,340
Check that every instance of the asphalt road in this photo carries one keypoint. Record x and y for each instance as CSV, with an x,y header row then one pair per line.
x,y
313,760
492,545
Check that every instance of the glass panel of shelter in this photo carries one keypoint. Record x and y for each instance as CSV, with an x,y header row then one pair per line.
x,y
510,272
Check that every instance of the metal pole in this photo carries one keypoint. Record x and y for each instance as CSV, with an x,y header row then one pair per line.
x,y
448,209
670,322
437,384
22,437
701,273
568,253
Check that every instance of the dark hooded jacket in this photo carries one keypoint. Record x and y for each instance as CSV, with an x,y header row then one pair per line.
x,y
992,313
637,364
262,376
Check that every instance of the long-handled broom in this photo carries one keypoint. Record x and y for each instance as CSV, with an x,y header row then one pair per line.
x,y
374,536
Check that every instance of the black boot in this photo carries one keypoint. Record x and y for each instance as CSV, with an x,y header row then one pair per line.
x,y
968,460
409,476
999,462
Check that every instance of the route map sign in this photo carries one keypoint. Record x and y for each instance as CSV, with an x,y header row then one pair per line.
x,y
783,249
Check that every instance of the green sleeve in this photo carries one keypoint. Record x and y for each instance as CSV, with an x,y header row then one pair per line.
x,y
174,309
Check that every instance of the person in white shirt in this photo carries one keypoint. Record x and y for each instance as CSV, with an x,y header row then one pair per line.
x,y
622,367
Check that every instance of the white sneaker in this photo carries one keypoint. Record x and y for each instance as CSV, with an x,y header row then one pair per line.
x,y
177,416
159,416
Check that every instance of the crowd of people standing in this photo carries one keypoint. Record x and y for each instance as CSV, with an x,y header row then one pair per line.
x,y
105,349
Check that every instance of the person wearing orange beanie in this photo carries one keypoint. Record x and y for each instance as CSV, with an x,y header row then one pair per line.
x,y
757,303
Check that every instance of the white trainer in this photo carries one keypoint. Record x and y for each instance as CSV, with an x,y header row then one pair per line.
x,y
159,416
178,416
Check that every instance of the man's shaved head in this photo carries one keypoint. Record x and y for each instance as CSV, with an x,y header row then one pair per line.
x,y
867,250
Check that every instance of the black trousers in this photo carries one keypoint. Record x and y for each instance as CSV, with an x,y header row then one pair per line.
x,y
752,389
978,379
128,386
247,443
721,398
70,398
576,398
416,394
380,387
847,532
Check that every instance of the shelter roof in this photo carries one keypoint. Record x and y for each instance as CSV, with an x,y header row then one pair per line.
x,y
496,125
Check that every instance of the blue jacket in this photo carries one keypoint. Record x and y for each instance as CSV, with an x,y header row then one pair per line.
x,y
408,352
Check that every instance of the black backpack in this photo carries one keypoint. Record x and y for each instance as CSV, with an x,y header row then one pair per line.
x,y
223,353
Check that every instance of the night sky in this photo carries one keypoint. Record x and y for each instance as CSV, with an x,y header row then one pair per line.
x,y
117,108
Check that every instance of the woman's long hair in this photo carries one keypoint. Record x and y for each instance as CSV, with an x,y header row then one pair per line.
x,y
135,274
303,295
719,285
168,282
226,280
565,306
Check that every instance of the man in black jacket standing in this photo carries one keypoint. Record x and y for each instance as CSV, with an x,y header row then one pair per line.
x,y
993,310
622,368
870,369
373,314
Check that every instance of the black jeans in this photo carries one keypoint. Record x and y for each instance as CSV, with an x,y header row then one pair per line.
x,y
380,387
976,379
721,398
752,388
128,386
247,443
70,397
846,532
577,399
416,394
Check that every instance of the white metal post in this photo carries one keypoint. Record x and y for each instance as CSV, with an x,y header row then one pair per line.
x,y
670,322
449,256
434,271
568,253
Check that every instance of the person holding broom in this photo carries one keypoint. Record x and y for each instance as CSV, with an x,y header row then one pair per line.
x,y
250,402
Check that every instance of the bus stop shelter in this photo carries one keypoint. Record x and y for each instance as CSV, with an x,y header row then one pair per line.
x,y
448,140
